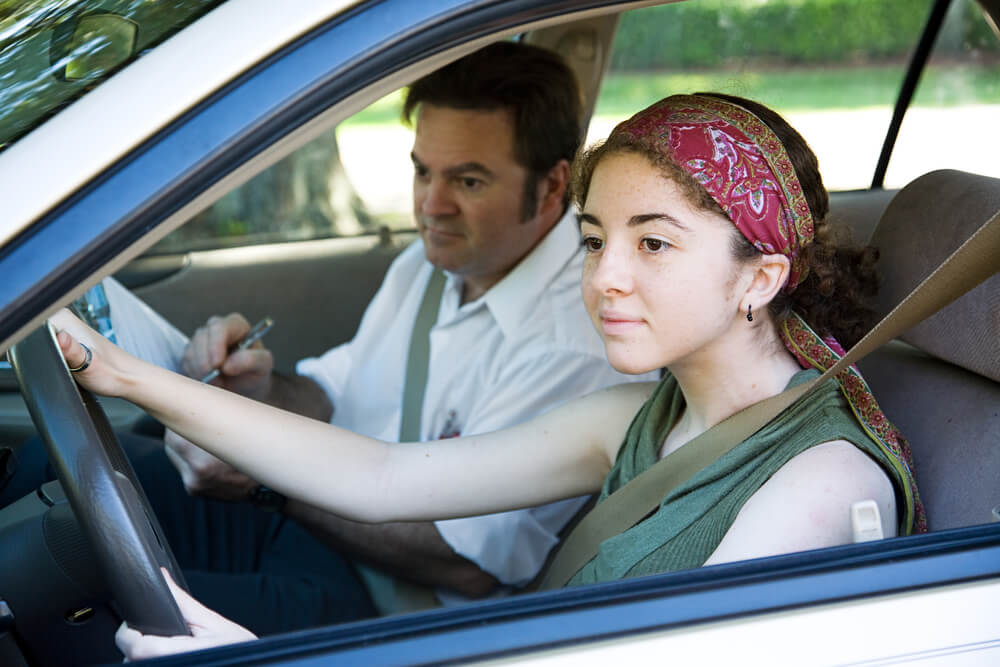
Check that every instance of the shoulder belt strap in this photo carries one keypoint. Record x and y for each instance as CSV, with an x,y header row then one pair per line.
x,y
415,382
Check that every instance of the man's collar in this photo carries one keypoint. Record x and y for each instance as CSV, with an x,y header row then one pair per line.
x,y
510,300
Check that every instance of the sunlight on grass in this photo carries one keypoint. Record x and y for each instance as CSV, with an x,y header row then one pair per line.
x,y
812,89
806,90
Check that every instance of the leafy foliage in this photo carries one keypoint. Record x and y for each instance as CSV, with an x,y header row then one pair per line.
x,y
714,33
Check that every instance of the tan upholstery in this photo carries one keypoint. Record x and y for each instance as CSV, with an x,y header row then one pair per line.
x,y
925,222
944,396
950,418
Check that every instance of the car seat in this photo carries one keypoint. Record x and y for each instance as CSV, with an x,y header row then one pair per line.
x,y
939,382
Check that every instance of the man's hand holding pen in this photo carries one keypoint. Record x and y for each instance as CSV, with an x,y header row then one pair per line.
x,y
228,352
232,347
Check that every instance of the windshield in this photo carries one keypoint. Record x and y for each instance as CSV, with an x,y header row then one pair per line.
x,y
54,51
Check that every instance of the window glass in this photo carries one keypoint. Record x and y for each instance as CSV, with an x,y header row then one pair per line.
x,y
952,121
833,68
52,52
349,181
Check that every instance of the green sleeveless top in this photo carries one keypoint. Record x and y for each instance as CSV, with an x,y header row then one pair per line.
x,y
691,521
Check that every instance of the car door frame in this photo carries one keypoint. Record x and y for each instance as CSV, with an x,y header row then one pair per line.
x,y
110,218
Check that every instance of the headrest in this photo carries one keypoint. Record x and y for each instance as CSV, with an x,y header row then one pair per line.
x,y
923,224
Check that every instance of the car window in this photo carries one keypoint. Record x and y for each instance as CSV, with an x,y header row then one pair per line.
x,y
52,53
834,73
355,179
835,77
951,123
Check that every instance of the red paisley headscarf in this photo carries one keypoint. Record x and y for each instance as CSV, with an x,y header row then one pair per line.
x,y
745,168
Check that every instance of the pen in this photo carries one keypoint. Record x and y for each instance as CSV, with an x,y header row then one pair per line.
x,y
255,334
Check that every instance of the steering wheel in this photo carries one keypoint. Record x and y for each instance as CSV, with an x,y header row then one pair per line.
x,y
101,487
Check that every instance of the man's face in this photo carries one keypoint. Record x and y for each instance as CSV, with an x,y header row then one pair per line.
x,y
467,194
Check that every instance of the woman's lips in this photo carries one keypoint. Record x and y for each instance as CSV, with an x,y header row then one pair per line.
x,y
618,323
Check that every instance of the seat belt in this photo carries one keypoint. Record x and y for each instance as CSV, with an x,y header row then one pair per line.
x,y
415,383
390,594
972,263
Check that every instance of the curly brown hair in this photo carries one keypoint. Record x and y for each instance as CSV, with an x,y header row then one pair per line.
x,y
836,265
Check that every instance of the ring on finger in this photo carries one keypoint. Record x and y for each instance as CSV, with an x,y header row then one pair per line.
x,y
86,360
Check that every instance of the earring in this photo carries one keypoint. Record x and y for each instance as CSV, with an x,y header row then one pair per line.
x,y
749,314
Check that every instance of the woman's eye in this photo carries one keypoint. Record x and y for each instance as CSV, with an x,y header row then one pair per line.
x,y
592,243
654,245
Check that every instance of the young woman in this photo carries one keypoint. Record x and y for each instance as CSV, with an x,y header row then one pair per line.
x,y
707,253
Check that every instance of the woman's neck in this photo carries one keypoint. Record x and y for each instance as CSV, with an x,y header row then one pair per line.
x,y
726,377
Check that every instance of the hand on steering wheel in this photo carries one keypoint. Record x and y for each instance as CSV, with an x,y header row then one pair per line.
x,y
207,628
99,483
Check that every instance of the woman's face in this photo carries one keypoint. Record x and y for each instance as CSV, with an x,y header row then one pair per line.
x,y
659,280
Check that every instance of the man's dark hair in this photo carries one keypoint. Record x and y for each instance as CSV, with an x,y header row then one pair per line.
x,y
534,84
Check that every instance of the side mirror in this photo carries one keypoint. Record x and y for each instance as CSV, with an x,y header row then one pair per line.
x,y
92,46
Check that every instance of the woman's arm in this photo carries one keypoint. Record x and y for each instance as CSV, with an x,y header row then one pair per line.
x,y
563,453
807,504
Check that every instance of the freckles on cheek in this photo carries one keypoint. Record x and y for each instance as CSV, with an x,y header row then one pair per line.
x,y
672,283
590,303
587,284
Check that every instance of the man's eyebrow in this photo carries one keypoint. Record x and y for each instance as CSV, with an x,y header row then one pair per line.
x,y
458,169
466,168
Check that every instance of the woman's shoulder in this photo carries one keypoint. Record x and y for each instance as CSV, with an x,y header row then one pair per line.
x,y
807,503
837,468
609,412
824,481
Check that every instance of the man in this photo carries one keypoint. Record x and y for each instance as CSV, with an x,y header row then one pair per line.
x,y
494,136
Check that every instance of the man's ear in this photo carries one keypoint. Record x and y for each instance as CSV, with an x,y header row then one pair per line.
x,y
768,277
552,188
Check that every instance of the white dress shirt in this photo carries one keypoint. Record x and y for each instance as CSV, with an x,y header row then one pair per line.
x,y
522,348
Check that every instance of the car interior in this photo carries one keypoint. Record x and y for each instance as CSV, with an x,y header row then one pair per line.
x,y
939,382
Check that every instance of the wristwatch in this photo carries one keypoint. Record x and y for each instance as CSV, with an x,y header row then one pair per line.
x,y
267,499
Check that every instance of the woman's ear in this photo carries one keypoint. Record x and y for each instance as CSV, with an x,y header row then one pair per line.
x,y
769,276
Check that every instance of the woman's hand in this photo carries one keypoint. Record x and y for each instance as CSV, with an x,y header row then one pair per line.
x,y
208,629
106,371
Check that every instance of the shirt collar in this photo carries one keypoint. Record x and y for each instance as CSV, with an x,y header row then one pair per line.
x,y
510,299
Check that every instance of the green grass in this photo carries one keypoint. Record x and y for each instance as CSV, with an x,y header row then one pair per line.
x,y
787,90
801,90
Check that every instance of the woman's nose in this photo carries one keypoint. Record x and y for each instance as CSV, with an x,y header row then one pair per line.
x,y
611,271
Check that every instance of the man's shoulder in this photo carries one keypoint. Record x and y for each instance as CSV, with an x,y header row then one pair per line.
x,y
409,262
403,273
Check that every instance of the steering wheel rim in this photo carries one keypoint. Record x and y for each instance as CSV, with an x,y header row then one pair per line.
x,y
100,486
